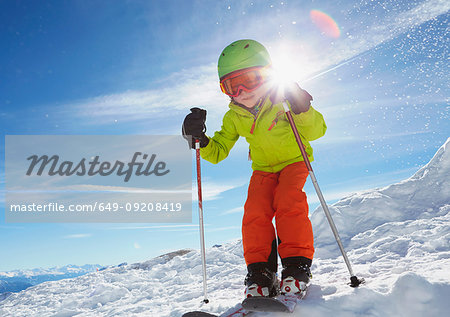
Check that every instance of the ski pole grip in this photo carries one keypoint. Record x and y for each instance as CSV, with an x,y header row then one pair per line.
x,y
201,115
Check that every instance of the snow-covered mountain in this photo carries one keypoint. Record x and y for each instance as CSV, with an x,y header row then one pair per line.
x,y
397,238
425,195
17,280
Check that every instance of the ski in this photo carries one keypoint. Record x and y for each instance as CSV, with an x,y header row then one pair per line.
x,y
280,303
198,314
236,311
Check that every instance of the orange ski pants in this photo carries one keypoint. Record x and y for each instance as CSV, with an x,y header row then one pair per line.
x,y
278,195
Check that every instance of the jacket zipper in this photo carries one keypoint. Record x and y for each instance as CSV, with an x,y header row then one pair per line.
x,y
256,116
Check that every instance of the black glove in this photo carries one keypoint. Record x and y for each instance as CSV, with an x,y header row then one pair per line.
x,y
194,127
299,99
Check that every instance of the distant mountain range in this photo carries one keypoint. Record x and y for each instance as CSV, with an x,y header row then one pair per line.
x,y
18,280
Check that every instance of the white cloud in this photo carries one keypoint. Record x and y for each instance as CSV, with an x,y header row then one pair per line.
x,y
177,228
119,189
78,236
223,229
198,87
195,87
155,227
236,210
213,190
11,227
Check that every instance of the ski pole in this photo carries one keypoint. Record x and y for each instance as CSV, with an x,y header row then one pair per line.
x,y
200,215
354,281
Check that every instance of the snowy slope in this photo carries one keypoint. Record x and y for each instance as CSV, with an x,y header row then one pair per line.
x,y
397,239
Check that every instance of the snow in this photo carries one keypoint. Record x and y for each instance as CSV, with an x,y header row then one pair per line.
x,y
397,238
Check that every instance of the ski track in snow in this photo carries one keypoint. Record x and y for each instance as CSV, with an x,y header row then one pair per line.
x,y
397,238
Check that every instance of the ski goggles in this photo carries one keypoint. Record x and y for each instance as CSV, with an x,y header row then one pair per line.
x,y
247,79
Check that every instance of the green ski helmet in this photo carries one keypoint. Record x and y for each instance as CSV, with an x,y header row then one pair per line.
x,y
242,54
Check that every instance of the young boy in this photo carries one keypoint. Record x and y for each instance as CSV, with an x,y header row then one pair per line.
x,y
279,171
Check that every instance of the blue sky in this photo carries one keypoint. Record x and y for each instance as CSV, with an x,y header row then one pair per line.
x,y
137,67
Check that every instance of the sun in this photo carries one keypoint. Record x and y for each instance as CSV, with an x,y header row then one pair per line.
x,y
283,71
293,61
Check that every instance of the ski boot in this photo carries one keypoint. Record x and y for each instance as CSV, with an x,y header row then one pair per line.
x,y
260,281
295,279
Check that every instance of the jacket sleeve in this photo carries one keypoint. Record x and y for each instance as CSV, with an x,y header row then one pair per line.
x,y
310,124
220,144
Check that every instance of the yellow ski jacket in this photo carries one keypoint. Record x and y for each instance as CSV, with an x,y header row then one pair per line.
x,y
272,142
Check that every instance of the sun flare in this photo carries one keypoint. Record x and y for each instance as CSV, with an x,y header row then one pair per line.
x,y
291,61
285,68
